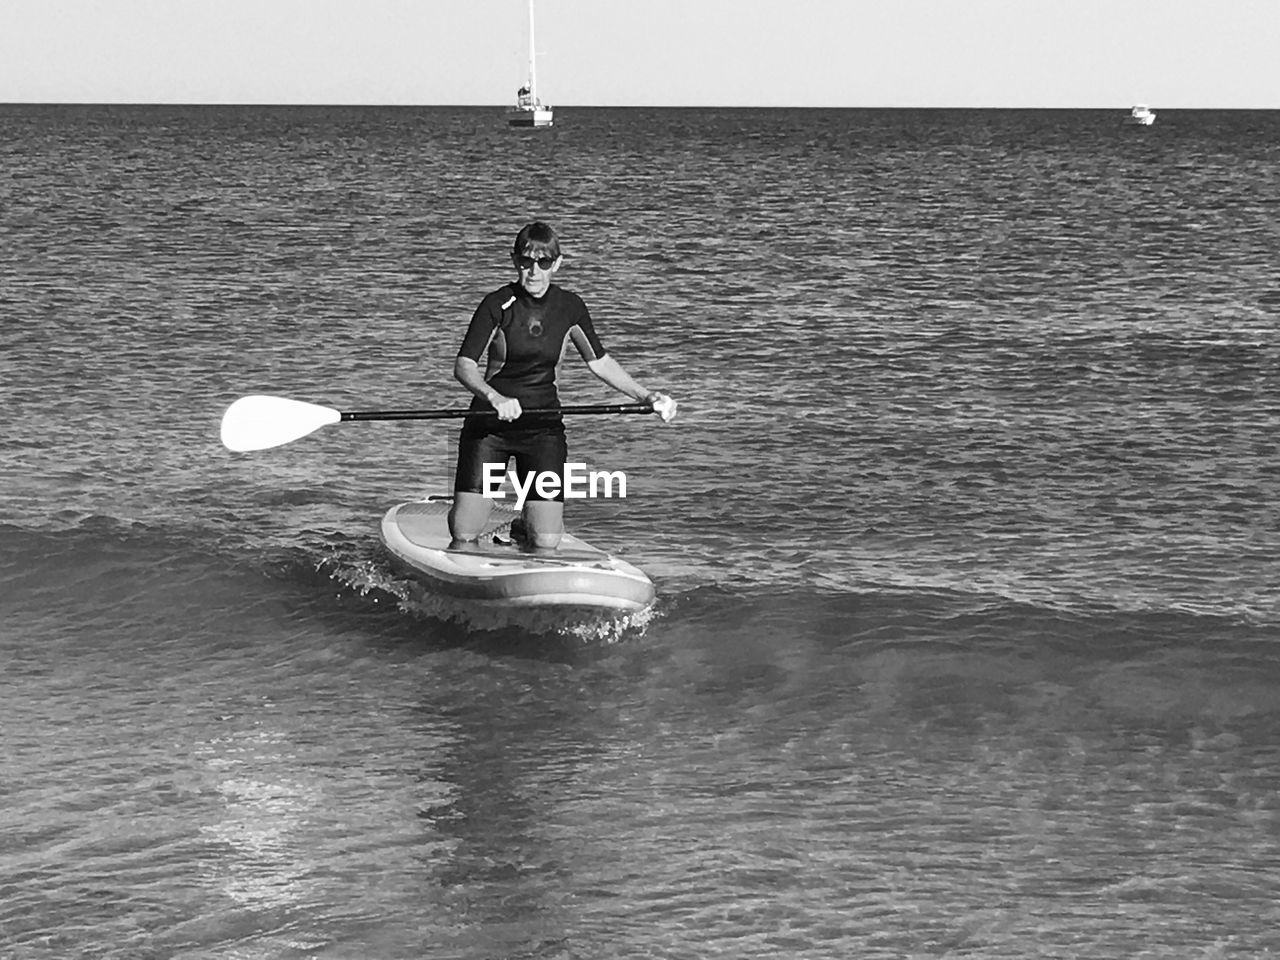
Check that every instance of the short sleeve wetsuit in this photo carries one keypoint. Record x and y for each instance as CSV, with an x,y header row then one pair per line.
x,y
525,338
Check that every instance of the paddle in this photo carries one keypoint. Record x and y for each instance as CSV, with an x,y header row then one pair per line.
x,y
258,422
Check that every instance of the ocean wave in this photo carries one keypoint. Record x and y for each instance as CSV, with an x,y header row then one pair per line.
x,y
94,561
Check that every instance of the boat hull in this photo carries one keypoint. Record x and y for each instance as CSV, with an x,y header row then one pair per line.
x,y
540,117
497,573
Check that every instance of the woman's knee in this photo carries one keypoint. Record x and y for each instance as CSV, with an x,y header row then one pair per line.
x,y
544,523
546,540
468,515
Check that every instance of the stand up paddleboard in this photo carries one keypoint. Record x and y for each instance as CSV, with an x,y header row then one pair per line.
x,y
497,572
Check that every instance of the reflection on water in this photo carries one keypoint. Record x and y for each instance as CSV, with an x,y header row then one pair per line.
x,y
259,825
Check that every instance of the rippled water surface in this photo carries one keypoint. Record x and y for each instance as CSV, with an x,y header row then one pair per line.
x,y
965,539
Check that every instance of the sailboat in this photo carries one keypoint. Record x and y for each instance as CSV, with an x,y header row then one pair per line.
x,y
1141,115
529,111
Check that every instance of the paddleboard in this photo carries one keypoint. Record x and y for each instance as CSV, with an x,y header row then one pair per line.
x,y
497,572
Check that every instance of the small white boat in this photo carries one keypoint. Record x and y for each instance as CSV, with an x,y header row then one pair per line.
x,y
529,110
1141,115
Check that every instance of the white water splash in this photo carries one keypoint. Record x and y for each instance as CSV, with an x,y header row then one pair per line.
x,y
589,625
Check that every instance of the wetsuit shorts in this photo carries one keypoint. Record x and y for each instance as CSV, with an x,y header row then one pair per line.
x,y
536,449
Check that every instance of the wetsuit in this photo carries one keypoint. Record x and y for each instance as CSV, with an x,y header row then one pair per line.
x,y
525,338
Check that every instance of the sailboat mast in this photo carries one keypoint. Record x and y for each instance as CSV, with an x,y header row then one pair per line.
x,y
529,110
533,80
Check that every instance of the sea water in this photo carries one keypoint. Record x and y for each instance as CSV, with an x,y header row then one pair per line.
x,y
968,633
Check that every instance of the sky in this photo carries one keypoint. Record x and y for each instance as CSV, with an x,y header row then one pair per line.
x,y
770,53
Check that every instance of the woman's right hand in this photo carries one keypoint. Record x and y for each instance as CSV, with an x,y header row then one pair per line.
x,y
508,407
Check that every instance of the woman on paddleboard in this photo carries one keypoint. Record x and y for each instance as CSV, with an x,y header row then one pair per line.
x,y
523,327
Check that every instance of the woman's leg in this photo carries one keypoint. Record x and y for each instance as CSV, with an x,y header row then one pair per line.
x,y
544,523
470,510
468,515
544,452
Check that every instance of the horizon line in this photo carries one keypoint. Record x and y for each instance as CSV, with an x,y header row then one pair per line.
x,y
576,106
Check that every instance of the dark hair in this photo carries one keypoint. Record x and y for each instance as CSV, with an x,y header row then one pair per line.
x,y
536,239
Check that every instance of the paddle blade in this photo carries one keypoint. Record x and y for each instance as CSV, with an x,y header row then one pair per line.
x,y
259,422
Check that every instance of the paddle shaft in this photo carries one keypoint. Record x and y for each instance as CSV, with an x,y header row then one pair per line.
x,y
459,414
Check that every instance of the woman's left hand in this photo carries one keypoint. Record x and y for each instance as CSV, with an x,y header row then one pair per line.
x,y
663,406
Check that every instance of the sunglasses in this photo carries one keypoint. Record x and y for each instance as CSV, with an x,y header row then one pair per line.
x,y
526,263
